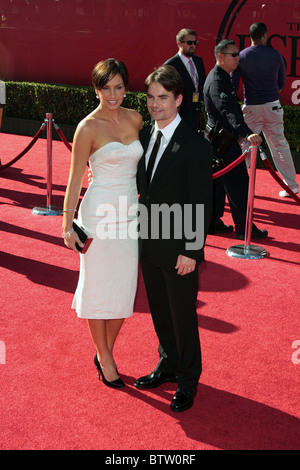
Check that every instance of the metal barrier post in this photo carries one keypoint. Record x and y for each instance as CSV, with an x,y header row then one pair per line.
x,y
49,209
49,159
248,251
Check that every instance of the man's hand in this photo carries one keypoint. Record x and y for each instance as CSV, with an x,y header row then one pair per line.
x,y
185,265
254,139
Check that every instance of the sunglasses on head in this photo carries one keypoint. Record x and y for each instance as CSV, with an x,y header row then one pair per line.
x,y
190,43
233,54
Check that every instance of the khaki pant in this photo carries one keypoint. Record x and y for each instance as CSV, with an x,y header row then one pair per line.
x,y
268,119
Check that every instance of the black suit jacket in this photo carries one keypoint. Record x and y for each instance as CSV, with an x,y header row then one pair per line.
x,y
189,111
183,177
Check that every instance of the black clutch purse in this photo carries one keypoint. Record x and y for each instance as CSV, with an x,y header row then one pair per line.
x,y
83,237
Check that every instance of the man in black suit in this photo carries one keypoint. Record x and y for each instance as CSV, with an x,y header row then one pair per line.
x,y
171,247
191,69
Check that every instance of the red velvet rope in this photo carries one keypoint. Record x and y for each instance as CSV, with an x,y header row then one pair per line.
x,y
62,136
35,138
231,165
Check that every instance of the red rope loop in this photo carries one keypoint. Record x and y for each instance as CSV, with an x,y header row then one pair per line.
x,y
35,138
63,137
231,165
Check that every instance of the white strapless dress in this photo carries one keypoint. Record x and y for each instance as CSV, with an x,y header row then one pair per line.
x,y
108,270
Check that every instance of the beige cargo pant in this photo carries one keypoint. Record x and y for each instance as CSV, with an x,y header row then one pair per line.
x,y
268,119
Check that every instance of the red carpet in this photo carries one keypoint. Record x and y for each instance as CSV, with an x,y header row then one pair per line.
x,y
248,310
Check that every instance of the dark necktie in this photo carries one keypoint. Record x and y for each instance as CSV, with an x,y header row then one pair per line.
x,y
153,156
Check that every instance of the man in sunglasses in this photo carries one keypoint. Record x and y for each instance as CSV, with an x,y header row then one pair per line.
x,y
191,69
225,128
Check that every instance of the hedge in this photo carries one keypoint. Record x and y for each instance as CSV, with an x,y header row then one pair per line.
x,y
70,104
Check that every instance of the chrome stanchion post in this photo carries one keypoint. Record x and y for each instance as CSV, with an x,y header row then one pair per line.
x,y
49,159
49,209
248,251
252,179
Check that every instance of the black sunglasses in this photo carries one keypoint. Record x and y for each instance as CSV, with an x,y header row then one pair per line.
x,y
189,43
233,54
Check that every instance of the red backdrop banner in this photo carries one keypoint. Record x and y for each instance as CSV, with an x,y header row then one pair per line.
x,y
60,41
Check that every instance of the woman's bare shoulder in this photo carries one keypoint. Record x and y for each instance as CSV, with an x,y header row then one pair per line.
x,y
88,124
134,116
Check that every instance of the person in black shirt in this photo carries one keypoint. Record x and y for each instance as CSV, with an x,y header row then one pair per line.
x,y
225,129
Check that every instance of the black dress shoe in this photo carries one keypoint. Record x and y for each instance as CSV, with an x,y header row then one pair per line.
x,y
256,235
118,383
153,380
183,399
220,227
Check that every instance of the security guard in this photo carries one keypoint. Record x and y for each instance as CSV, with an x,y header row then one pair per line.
x,y
225,128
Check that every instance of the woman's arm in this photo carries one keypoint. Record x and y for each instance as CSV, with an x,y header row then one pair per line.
x,y
80,154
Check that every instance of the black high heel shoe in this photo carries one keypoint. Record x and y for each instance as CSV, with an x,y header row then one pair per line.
x,y
114,383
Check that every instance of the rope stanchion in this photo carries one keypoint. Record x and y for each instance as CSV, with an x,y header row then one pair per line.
x,y
35,138
247,251
48,210
276,177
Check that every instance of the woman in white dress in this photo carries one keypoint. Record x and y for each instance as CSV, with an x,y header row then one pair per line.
x,y
109,139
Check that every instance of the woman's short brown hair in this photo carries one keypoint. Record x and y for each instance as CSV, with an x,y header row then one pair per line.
x,y
106,70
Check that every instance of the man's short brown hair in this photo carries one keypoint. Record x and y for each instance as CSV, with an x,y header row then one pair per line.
x,y
168,77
